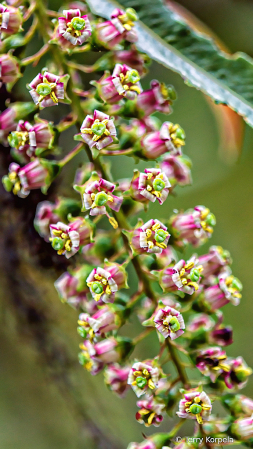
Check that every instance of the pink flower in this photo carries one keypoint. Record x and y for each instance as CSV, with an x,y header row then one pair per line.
x,y
193,226
98,131
157,99
73,29
195,405
123,83
98,196
9,69
92,327
119,28
68,239
72,288
151,185
152,237
21,180
7,124
151,412
10,20
26,138
212,362
44,217
169,322
95,356
224,289
214,261
183,276
243,428
143,378
105,282
177,168
133,58
116,379
165,140
47,89
237,374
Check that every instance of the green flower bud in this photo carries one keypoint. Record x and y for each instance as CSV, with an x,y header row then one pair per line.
x,y
195,409
78,23
43,89
101,199
174,324
194,275
8,185
81,331
98,129
133,76
160,235
97,287
180,133
58,243
141,382
82,358
236,284
158,184
211,220
131,14
13,140
171,93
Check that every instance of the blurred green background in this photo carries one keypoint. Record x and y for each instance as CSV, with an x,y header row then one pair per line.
x,y
36,409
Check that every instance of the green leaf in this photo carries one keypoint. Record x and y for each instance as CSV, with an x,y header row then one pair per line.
x,y
166,38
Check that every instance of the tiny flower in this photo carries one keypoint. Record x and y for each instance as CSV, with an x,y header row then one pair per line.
x,y
214,261
151,412
67,239
212,362
225,288
146,444
177,168
151,185
98,131
195,405
21,180
72,287
105,282
9,70
44,217
15,111
119,28
10,20
183,276
116,378
123,83
92,327
152,237
203,329
193,226
47,89
242,428
169,322
27,138
73,29
157,99
143,377
157,143
132,58
98,196
95,356
238,373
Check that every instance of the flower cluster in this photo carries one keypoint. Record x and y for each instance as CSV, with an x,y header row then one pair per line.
x,y
176,295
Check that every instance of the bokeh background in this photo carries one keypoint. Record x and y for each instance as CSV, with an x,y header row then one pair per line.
x,y
47,400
